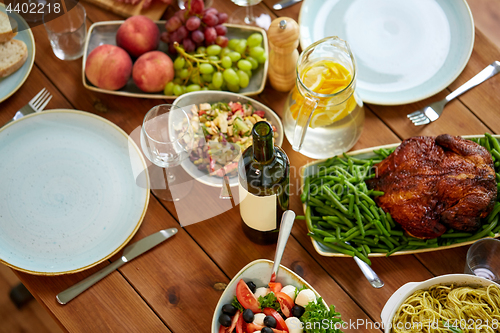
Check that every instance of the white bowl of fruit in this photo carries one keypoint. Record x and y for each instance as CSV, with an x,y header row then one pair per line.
x,y
251,304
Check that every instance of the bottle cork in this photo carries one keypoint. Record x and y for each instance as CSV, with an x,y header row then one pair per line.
x,y
283,35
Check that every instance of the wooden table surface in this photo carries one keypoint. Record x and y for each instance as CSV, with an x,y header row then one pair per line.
x,y
174,286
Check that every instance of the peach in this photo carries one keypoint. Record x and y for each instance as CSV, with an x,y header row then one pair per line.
x,y
108,67
152,71
138,35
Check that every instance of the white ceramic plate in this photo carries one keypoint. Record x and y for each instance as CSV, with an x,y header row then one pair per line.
x,y
405,50
105,33
68,193
10,84
259,272
223,96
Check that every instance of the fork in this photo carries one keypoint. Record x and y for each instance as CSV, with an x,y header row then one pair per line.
x,y
36,104
432,112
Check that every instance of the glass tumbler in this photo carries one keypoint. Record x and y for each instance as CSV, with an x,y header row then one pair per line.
x,y
483,259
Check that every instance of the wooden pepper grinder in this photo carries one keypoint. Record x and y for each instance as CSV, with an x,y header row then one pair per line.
x,y
283,37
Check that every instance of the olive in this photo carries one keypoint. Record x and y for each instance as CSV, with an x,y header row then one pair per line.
x,y
252,286
270,321
225,320
229,309
248,315
298,311
266,330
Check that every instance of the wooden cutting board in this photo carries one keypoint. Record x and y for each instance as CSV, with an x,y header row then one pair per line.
x,y
154,12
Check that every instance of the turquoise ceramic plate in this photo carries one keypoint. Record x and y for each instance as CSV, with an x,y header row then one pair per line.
x,y
405,50
68,193
13,82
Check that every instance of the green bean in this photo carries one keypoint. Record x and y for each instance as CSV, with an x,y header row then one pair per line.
x,y
351,204
359,221
351,236
337,232
387,242
332,218
396,249
367,198
379,226
495,153
313,218
376,193
315,202
389,218
456,235
305,191
308,218
351,231
331,246
494,141
325,225
379,250
374,210
367,211
335,225
396,232
484,232
367,249
322,232
494,213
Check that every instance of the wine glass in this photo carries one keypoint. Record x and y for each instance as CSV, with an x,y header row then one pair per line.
x,y
251,14
167,139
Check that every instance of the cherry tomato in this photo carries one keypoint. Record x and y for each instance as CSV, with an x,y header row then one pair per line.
x,y
281,323
246,297
275,287
222,329
261,114
251,327
286,303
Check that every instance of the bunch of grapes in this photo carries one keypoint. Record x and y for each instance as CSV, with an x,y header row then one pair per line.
x,y
217,68
195,26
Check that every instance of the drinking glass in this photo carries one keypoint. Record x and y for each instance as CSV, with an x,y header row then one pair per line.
x,y
167,139
483,259
251,14
67,32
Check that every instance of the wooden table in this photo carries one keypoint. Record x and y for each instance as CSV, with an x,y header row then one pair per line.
x,y
175,287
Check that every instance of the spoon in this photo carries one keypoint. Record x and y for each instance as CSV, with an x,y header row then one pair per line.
x,y
369,273
285,228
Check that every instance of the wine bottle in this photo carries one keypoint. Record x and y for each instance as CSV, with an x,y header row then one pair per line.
x,y
264,177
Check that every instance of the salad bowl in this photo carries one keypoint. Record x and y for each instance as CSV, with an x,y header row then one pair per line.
x,y
200,97
258,271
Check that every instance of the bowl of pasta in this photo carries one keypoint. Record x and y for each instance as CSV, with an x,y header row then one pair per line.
x,y
455,303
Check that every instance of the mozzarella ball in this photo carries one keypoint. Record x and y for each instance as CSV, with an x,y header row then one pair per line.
x,y
294,325
262,291
289,290
304,297
258,319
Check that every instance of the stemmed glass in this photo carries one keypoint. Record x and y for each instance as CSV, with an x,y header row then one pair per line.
x,y
251,14
167,139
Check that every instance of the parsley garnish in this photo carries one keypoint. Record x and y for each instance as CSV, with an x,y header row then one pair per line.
x,y
269,301
317,314
237,304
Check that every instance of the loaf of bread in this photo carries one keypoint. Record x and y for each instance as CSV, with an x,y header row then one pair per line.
x,y
8,28
13,54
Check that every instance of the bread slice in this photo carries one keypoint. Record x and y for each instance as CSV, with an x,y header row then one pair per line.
x,y
13,54
8,28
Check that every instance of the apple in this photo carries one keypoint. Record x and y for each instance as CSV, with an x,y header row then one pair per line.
x,y
108,67
152,71
138,35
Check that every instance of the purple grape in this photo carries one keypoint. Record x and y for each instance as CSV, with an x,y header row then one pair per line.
x,y
174,37
221,41
210,35
165,37
171,49
182,32
197,36
221,30
222,17
197,6
193,23
211,11
181,14
173,24
210,19
188,45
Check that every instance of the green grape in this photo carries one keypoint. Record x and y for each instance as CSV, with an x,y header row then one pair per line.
x,y
235,56
249,73
256,52
254,62
225,51
184,89
227,62
201,50
213,49
232,43
217,80
204,88
213,58
169,89
207,77
241,47
197,79
211,86
231,77
206,69
193,87
178,80
244,65
262,59
177,90
179,63
254,40
184,73
224,86
244,79
234,88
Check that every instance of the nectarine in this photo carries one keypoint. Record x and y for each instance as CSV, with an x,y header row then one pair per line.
x,y
108,67
152,71
138,35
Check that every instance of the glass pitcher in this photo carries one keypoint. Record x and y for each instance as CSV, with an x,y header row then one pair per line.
x,y
324,116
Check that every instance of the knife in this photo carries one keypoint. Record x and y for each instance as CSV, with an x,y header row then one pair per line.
x,y
130,252
284,4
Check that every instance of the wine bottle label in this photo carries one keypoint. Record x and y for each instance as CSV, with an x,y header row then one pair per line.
x,y
258,213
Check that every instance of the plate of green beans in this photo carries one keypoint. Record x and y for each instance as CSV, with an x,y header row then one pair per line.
x,y
344,220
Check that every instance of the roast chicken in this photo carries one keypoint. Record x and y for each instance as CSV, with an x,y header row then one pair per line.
x,y
435,183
